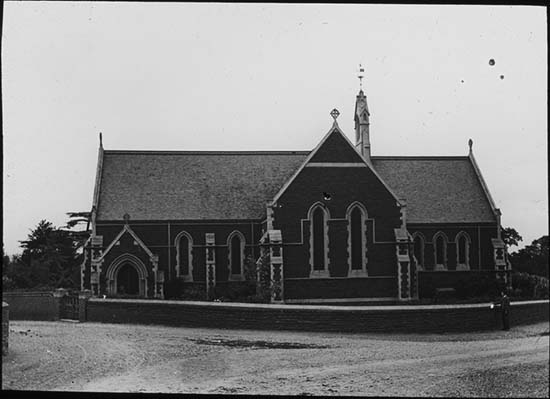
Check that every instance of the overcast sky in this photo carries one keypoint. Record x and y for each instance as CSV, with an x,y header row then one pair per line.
x,y
154,76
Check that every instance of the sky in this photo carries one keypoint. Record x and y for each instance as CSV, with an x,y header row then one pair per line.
x,y
225,76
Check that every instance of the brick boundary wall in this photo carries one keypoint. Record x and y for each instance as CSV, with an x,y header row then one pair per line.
x,y
37,305
5,328
403,318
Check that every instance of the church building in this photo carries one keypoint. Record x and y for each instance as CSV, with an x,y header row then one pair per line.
x,y
334,224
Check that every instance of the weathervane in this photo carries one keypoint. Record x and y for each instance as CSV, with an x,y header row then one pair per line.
x,y
361,75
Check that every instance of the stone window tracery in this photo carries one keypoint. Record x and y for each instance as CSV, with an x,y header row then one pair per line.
x,y
440,251
235,244
184,255
419,246
356,216
462,251
318,241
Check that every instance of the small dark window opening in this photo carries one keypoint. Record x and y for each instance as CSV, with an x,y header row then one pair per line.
x,y
236,255
440,251
419,250
318,239
462,243
356,240
184,255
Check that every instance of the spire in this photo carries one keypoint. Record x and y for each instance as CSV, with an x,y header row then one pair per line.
x,y
361,118
100,140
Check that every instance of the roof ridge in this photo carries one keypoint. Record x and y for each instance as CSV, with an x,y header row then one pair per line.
x,y
430,157
206,152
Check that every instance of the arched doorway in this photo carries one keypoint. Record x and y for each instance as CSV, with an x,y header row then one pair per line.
x,y
127,275
127,280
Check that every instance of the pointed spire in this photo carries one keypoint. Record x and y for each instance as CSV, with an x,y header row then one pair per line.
x,y
361,119
361,75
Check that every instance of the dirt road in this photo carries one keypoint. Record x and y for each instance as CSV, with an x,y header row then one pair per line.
x,y
125,358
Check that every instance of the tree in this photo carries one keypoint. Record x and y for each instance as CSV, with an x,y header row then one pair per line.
x,y
51,256
510,236
532,259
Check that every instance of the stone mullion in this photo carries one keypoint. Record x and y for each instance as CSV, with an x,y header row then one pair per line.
x,y
210,264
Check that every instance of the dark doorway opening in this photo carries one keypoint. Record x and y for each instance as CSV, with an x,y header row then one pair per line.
x,y
127,280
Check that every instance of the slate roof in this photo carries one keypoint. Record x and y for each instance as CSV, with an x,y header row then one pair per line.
x,y
165,185
177,185
437,189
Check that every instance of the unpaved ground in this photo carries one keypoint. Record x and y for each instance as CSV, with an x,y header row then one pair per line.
x,y
126,358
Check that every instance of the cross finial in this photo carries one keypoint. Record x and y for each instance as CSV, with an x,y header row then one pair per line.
x,y
361,75
126,218
334,113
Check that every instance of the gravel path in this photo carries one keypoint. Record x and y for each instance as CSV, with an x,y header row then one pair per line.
x,y
128,358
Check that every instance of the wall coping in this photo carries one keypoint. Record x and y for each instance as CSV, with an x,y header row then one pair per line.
x,y
329,308
27,293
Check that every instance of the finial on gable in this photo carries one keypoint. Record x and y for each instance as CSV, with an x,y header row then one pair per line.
x,y
470,144
100,140
335,113
361,75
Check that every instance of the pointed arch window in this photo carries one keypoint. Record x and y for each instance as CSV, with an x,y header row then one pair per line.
x,y
184,256
463,251
356,216
440,251
318,240
419,244
235,244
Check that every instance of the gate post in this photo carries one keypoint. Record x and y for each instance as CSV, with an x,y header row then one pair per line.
x,y
83,297
5,328
58,295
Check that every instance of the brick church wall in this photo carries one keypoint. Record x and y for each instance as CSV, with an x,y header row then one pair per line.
x,y
370,287
160,236
481,248
345,185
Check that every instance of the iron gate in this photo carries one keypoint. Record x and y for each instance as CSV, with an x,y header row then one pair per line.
x,y
68,308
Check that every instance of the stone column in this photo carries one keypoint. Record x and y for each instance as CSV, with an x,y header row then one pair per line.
x,y
210,264
403,264
160,283
276,263
96,252
501,266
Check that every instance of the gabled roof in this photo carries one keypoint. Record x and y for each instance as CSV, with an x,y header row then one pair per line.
x,y
437,189
334,148
193,185
126,229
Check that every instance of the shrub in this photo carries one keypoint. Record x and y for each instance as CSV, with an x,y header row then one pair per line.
x,y
529,286
173,288
235,292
